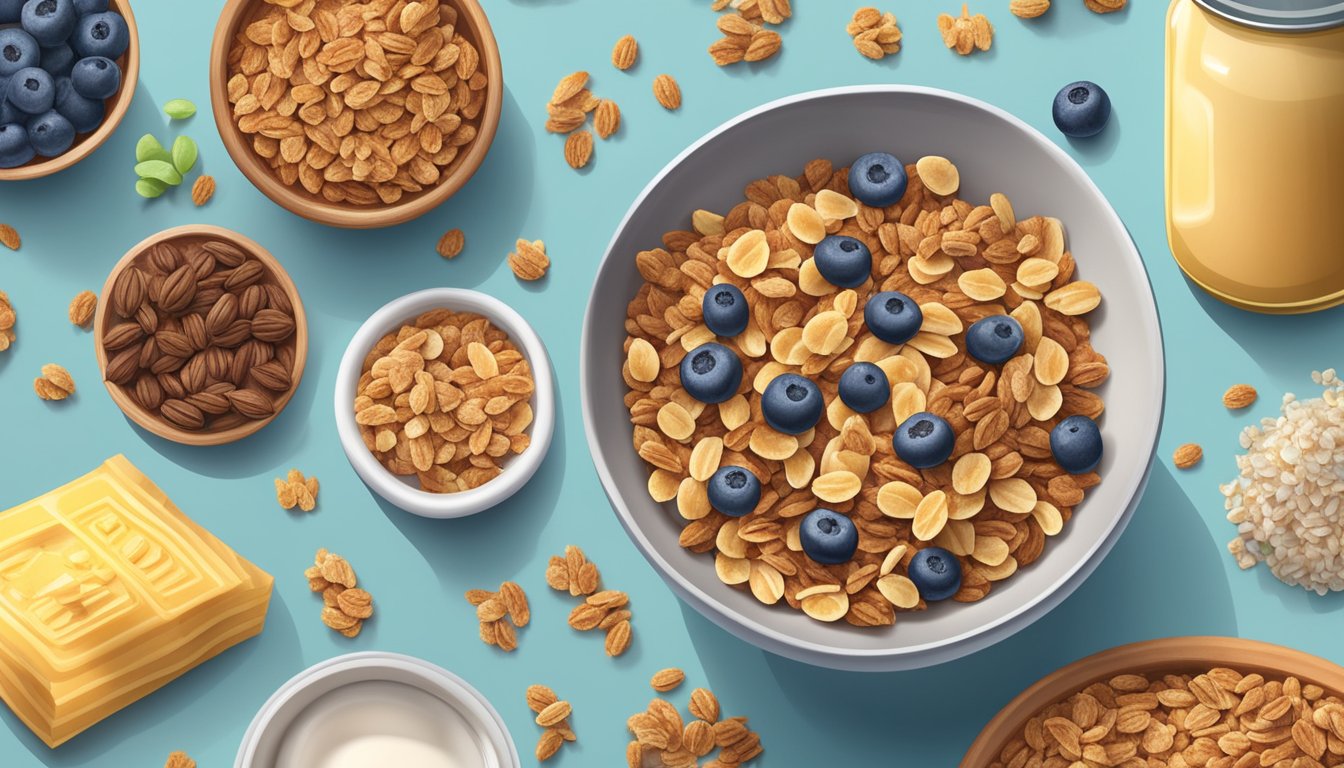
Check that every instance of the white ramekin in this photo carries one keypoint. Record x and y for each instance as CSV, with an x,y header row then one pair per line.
x,y
404,492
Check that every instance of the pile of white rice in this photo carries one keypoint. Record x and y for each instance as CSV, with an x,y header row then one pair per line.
x,y
1286,501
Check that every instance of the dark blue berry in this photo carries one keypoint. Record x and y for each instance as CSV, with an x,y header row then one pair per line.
x,y
58,60
725,310
1081,109
936,573
14,147
101,34
11,11
792,404
32,90
864,387
49,21
96,77
734,491
85,7
924,440
844,261
51,134
84,114
877,179
18,50
995,339
828,537
893,317
711,373
1076,444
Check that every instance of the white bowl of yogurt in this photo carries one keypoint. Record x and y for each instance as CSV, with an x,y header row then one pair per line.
x,y
372,710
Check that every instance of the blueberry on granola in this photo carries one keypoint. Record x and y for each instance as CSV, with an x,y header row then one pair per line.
x,y
924,440
844,261
1076,444
893,317
877,179
32,91
1081,109
792,404
725,310
864,387
711,373
734,491
936,573
49,21
828,537
994,339
18,50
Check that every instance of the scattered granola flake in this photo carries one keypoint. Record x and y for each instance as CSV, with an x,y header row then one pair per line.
x,y
7,320
451,244
552,715
9,237
743,40
607,610
529,260
1187,455
1239,396
875,34
501,614
202,190
607,118
296,491
82,308
1029,9
345,608
660,730
667,92
1105,6
579,149
965,33
569,86
179,760
55,383
625,52
665,680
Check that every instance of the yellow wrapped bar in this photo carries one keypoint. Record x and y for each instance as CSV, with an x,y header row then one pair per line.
x,y
107,593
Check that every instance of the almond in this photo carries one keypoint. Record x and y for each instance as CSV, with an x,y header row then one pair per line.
x,y
252,403
624,53
272,325
1187,456
182,414
272,375
1029,9
244,275
1239,396
122,335
179,288
128,292
667,92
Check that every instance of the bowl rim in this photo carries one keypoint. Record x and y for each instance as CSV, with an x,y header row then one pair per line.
x,y
300,202
121,104
160,427
1168,654
516,472
439,682
948,648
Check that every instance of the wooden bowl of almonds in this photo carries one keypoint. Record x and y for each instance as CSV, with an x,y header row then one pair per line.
x,y
356,115
200,335
1210,700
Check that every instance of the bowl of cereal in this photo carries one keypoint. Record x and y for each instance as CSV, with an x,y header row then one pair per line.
x,y
444,402
356,115
1155,699
858,403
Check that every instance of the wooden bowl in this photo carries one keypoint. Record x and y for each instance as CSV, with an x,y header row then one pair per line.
x,y
1169,655
473,24
105,318
117,107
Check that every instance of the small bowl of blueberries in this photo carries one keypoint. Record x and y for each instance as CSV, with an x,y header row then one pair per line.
x,y
68,71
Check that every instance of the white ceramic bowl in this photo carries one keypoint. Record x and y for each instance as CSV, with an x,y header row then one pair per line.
x,y
406,686
995,152
405,492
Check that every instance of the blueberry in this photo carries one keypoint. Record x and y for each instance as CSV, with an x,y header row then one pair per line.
x,y
84,114
1081,109
58,60
994,339
792,404
924,440
864,387
85,7
1076,444
14,147
843,261
828,537
96,77
51,134
893,317
877,179
49,21
32,90
101,34
10,11
8,112
725,310
18,50
734,491
711,373
936,573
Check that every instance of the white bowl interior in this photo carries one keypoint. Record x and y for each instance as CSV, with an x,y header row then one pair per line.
x,y
404,491
994,152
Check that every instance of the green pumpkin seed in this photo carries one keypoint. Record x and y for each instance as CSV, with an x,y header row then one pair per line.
x,y
179,109
150,188
159,170
184,154
149,148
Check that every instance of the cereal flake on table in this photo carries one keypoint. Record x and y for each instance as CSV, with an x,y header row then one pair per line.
x,y
875,34
7,321
501,614
1029,9
82,308
552,714
1239,396
9,237
179,760
667,92
625,52
345,607
202,190
450,245
605,610
529,260
662,735
966,34
295,490
55,383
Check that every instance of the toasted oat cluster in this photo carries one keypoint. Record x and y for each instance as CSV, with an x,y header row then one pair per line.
x,y
445,398
345,607
607,610
999,494
501,614
1218,719
662,737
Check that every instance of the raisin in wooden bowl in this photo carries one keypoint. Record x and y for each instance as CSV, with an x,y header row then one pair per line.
x,y
201,336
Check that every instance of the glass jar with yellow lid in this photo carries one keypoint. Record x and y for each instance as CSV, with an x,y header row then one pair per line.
x,y
1255,150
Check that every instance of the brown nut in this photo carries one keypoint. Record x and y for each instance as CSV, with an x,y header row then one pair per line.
x,y
272,325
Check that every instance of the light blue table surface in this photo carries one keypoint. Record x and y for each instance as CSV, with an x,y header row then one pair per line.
x,y
1169,575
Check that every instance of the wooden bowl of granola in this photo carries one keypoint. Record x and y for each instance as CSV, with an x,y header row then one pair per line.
x,y
1153,659
201,336
116,107
401,120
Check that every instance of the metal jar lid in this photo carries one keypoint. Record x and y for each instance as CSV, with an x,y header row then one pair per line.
x,y
1280,15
